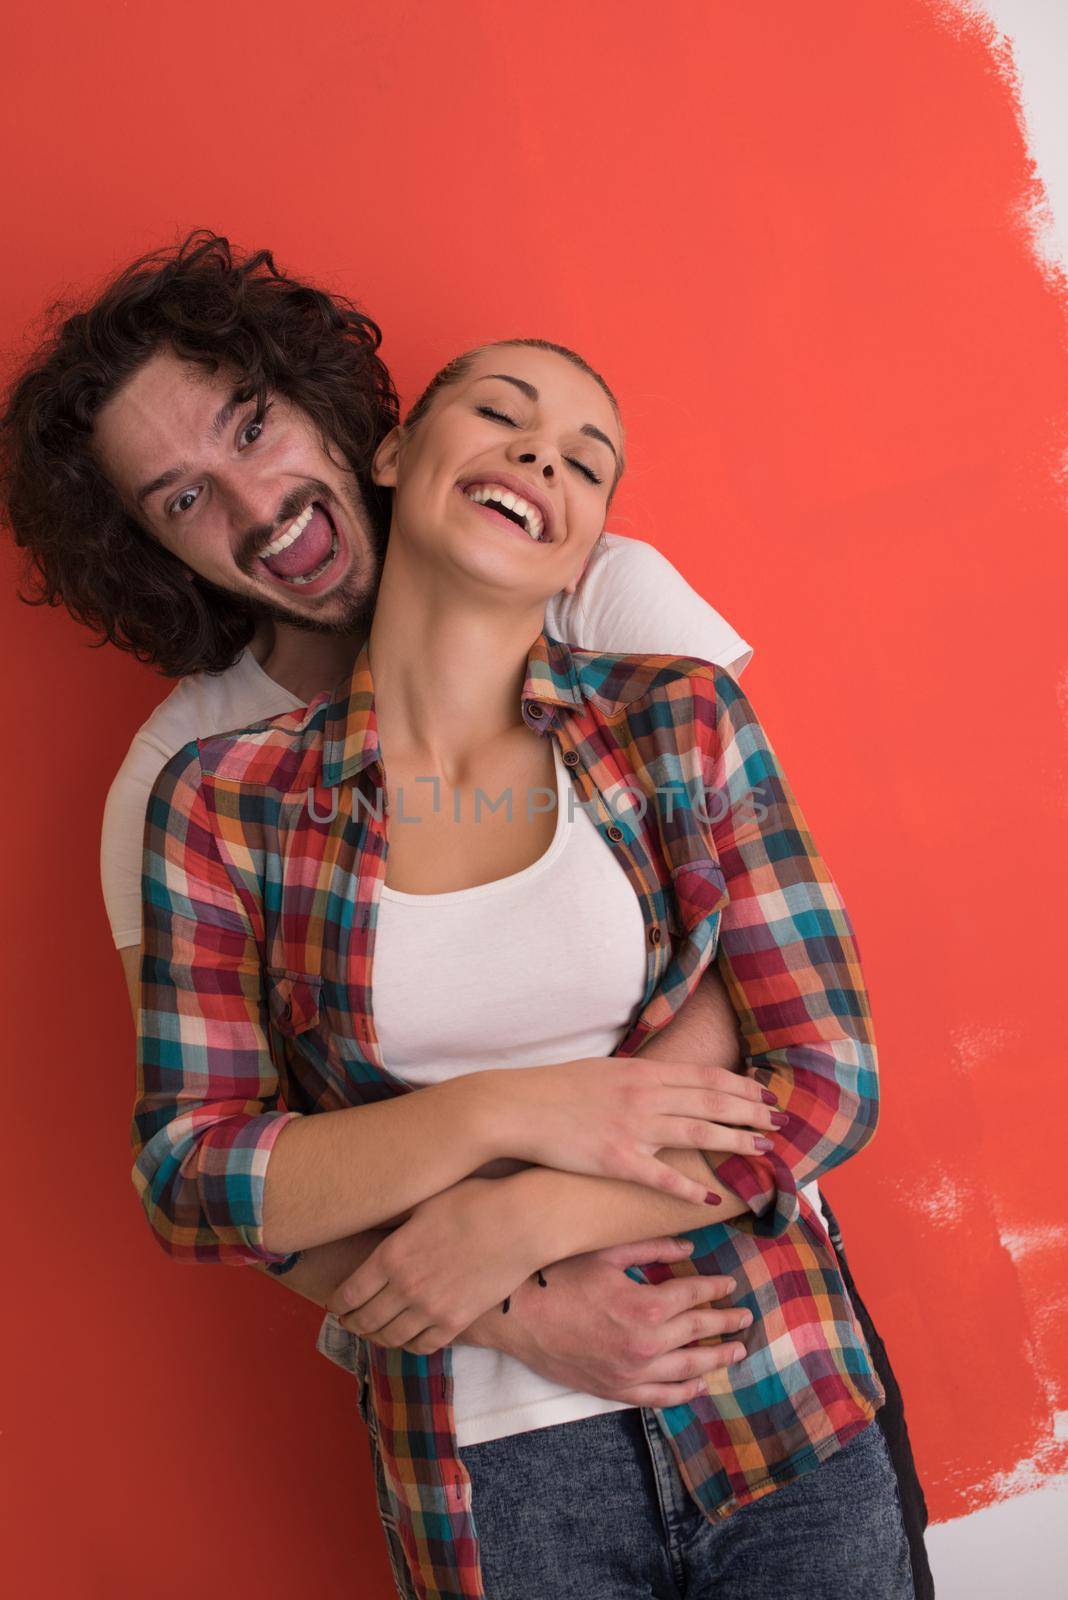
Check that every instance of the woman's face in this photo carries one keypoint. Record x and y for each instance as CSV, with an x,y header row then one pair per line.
x,y
507,476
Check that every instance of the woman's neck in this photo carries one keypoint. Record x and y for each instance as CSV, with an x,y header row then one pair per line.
x,y
448,674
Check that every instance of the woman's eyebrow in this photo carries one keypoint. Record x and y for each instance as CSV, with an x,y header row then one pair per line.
x,y
520,383
532,394
595,433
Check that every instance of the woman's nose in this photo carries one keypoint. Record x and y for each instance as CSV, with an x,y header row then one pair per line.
x,y
533,457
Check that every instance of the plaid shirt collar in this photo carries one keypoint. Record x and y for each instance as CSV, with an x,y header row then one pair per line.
x,y
350,732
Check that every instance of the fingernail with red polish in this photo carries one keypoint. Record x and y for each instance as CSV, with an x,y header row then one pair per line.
x,y
760,1143
768,1098
713,1199
779,1119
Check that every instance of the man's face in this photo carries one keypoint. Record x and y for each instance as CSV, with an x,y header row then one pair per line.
x,y
252,503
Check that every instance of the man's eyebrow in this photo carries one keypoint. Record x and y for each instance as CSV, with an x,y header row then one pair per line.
x,y
532,394
165,479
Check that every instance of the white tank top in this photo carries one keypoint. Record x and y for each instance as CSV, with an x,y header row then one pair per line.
x,y
545,965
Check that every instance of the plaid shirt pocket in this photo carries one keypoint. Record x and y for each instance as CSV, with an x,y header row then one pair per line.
x,y
293,1000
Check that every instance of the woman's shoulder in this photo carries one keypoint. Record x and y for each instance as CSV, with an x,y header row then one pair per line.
x,y
615,682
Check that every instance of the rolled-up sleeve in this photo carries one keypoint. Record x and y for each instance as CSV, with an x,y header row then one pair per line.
x,y
789,960
206,1114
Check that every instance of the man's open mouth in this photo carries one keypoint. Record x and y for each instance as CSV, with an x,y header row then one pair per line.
x,y
304,550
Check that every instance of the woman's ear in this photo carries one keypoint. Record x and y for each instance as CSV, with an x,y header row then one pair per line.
x,y
384,466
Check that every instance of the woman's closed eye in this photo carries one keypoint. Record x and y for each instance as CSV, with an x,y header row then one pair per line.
x,y
502,416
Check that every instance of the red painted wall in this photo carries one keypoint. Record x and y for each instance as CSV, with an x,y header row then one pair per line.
x,y
791,238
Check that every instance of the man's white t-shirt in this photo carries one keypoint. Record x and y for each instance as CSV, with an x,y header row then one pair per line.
x,y
630,600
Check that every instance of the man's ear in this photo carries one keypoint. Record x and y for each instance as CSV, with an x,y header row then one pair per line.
x,y
384,466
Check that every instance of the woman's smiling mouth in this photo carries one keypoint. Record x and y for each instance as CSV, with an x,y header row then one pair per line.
x,y
517,507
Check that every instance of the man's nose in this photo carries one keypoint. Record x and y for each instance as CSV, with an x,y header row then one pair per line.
x,y
251,499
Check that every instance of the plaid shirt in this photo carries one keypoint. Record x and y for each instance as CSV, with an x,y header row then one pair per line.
x,y
265,852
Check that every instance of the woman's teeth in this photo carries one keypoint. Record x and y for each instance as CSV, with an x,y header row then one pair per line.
x,y
521,510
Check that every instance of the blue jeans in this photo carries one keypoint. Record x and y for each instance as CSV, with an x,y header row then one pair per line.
x,y
597,1510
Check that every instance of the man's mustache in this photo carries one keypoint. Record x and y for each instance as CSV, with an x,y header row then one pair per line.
x,y
296,501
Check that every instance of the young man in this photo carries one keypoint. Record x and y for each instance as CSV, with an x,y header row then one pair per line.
x,y
188,467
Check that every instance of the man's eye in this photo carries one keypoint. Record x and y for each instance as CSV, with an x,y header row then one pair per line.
x,y
498,416
188,496
257,422
587,472
176,506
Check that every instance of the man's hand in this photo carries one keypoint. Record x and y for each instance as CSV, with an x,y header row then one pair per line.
x,y
590,1327
593,1329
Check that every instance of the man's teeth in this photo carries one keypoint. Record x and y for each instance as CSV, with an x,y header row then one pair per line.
x,y
310,577
289,535
493,494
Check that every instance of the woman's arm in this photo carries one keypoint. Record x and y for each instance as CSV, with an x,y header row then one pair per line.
x,y
704,1030
226,1174
223,1173
571,1214
489,1237
790,963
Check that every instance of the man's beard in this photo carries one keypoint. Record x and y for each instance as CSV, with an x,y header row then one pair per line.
x,y
352,609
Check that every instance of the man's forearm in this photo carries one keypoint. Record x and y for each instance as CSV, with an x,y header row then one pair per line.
x,y
706,1029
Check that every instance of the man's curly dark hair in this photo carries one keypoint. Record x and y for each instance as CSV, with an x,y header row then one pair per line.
x,y
214,307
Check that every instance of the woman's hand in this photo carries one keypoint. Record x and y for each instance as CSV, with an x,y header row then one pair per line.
x,y
607,1116
435,1274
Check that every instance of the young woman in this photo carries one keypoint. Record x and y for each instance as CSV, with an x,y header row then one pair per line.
x,y
487,835
523,919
